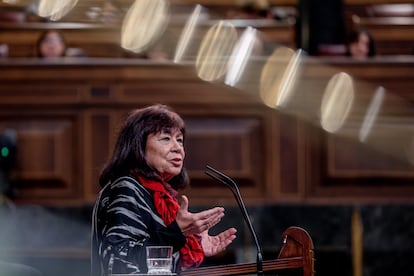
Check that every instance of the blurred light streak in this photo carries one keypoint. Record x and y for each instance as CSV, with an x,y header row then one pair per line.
x,y
144,22
289,79
337,102
55,10
240,56
371,114
279,76
215,50
187,34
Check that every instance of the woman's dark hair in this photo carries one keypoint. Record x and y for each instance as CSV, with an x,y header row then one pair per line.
x,y
43,36
129,152
354,37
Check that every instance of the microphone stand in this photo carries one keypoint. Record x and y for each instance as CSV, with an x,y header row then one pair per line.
x,y
222,178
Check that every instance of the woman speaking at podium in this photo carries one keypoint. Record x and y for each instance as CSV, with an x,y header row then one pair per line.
x,y
137,205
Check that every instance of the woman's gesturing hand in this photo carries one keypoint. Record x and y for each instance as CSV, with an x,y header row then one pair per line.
x,y
213,245
196,223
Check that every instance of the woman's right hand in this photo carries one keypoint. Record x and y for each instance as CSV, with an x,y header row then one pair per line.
x,y
196,223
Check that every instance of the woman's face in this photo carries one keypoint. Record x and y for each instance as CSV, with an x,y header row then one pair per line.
x,y
165,153
360,48
52,45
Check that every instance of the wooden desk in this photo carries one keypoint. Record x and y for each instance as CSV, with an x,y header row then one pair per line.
x,y
96,40
103,40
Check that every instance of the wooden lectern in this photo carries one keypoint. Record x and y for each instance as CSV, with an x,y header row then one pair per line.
x,y
296,254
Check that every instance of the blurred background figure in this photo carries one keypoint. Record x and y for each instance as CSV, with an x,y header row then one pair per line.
x,y
51,44
251,9
360,44
4,50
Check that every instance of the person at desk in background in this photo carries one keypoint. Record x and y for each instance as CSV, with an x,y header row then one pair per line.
x,y
4,50
360,44
51,44
138,204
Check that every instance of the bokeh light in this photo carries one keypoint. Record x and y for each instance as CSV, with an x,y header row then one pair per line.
x,y
215,51
372,113
240,56
143,24
337,102
279,77
55,10
187,35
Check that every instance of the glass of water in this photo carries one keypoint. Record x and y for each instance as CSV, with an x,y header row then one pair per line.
x,y
159,260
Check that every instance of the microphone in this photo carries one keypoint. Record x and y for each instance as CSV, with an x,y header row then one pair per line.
x,y
222,178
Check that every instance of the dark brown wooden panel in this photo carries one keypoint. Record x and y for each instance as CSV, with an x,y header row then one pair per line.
x,y
100,135
351,159
46,152
289,153
233,145
35,92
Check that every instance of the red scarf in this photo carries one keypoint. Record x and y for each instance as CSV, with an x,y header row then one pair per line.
x,y
167,206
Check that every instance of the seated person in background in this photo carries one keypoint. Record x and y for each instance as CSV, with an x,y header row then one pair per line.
x,y
252,9
4,50
51,44
138,203
360,44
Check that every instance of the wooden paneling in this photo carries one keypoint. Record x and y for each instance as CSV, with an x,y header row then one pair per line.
x,y
101,98
98,131
31,92
67,115
342,166
46,154
232,145
350,159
